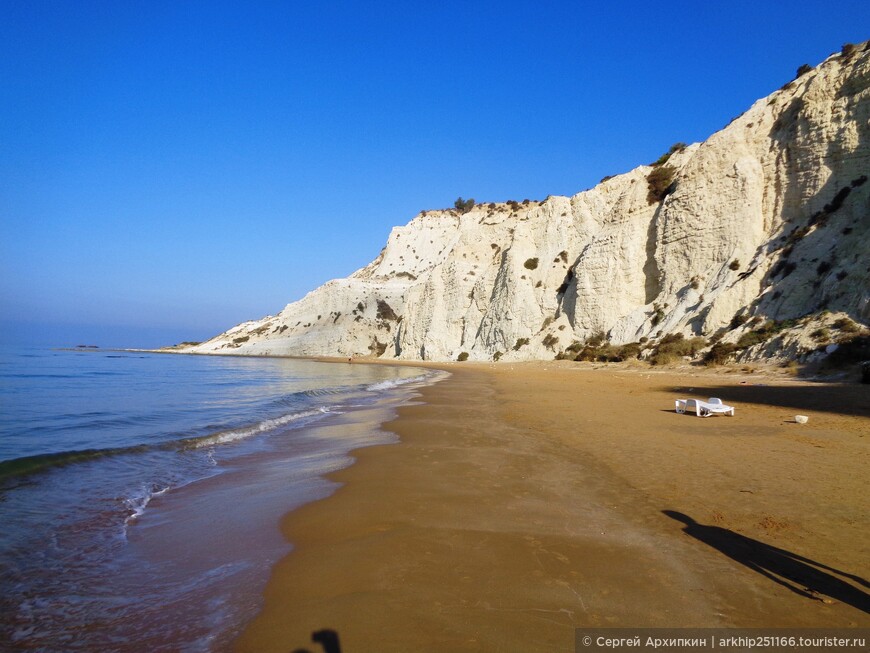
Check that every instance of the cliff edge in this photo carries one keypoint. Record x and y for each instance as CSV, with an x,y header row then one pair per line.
x,y
765,223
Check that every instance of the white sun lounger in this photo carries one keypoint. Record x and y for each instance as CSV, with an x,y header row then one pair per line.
x,y
713,406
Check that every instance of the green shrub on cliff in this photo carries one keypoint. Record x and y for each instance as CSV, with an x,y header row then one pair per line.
x,y
660,182
463,206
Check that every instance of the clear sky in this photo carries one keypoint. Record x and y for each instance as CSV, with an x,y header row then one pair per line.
x,y
169,169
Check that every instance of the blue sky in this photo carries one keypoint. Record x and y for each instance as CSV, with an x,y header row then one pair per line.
x,y
168,169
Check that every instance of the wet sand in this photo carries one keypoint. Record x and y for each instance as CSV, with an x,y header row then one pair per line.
x,y
527,500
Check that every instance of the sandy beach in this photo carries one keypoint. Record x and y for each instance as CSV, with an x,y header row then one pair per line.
x,y
527,500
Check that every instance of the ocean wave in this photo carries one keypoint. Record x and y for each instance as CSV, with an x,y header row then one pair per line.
x,y
330,391
27,465
234,435
394,383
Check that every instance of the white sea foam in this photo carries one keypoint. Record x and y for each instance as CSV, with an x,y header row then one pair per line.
x,y
261,427
394,383
138,502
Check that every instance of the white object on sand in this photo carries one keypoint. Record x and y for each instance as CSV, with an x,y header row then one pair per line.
x,y
801,419
713,406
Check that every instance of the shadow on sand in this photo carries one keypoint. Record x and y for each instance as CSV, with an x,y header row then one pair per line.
x,y
327,638
801,575
844,399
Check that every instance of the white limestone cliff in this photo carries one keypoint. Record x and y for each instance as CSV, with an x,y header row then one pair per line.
x,y
769,217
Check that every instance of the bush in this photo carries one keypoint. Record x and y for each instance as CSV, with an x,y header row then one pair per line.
x,y
719,354
386,312
676,147
550,341
660,182
463,206
734,265
823,267
798,234
531,264
763,333
822,335
629,351
462,357
596,339
674,346
665,358
521,342
738,320
848,50
658,315
751,338
377,348
671,339
846,325
803,70
587,355
597,349
606,353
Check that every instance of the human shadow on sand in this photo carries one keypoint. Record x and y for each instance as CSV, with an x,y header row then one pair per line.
x,y
327,638
801,575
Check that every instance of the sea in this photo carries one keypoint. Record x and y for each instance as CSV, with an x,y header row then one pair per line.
x,y
141,494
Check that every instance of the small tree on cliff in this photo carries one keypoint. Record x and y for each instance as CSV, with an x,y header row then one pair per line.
x,y
463,206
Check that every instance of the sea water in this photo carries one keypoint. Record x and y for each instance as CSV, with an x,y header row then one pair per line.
x,y
140,493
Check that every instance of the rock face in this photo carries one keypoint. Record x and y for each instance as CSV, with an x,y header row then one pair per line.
x,y
768,218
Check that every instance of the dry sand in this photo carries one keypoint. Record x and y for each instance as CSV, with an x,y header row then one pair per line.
x,y
527,500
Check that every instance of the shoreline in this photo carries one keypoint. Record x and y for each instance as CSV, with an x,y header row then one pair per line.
x,y
152,533
525,500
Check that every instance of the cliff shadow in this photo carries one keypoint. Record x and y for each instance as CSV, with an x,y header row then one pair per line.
x,y
566,294
841,399
651,272
801,575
